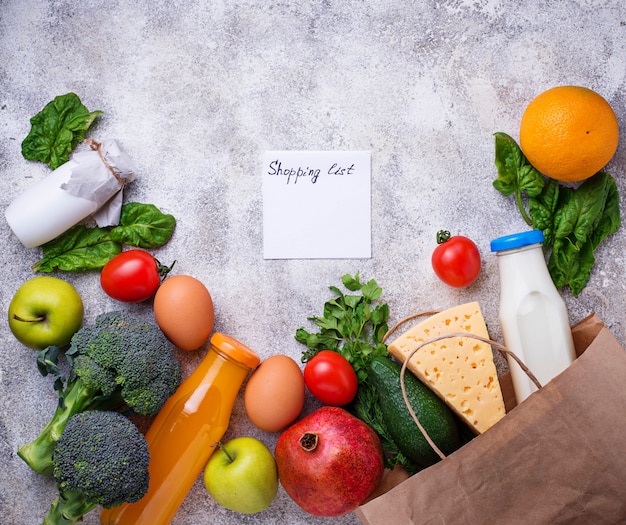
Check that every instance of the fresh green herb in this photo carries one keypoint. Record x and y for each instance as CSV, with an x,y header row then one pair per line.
x,y
82,248
354,326
351,325
574,221
57,129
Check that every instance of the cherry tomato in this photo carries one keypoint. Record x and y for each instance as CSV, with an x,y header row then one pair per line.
x,y
132,276
329,376
456,260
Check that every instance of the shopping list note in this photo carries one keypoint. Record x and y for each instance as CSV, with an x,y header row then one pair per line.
x,y
317,205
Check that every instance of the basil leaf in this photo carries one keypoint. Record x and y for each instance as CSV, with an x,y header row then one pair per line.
x,y
57,129
143,226
78,249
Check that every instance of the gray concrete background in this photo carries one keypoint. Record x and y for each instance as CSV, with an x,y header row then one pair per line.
x,y
196,91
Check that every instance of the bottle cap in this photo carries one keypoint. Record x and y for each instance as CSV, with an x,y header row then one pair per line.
x,y
236,350
517,240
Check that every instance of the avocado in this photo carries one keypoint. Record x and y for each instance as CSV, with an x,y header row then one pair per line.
x,y
438,420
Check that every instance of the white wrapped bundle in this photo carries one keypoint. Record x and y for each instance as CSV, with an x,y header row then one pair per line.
x,y
91,183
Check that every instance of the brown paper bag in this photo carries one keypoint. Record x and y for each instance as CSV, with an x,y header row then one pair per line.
x,y
557,458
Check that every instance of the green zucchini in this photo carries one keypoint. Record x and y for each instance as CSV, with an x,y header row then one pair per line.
x,y
438,420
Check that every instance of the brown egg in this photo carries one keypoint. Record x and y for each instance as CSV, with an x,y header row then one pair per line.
x,y
183,309
274,394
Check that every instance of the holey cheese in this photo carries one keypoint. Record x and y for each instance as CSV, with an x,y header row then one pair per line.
x,y
460,370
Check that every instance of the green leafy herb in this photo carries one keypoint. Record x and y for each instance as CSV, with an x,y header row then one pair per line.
x,y
574,221
351,325
354,326
82,248
57,129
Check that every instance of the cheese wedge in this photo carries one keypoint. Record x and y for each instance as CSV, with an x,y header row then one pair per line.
x,y
460,370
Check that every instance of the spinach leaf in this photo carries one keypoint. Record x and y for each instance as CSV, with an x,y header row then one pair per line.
x,y
78,249
543,207
570,265
143,226
578,217
82,248
610,221
574,221
582,223
57,129
515,174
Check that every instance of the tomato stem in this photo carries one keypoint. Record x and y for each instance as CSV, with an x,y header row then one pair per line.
x,y
443,236
164,270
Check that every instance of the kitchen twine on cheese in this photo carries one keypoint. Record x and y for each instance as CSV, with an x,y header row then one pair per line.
x,y
501,348
97,147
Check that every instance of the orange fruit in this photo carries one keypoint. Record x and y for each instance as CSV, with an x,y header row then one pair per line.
x,y
569,133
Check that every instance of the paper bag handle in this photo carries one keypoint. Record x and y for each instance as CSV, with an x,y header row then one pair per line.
x,y
501,348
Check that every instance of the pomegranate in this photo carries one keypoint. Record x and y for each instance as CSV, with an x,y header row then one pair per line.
x,y
329,462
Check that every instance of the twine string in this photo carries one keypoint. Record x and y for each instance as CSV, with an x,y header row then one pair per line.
x,y
97,147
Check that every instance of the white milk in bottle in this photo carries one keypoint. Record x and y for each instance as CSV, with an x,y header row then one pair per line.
x,y
533,317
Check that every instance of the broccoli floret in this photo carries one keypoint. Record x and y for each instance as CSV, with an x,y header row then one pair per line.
x,y
101,459
119,361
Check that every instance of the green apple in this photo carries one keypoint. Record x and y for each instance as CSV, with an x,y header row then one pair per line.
x,y
241,475
45,311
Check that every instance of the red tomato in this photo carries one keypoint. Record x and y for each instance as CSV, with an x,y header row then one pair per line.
x,y
132,276
456,260
329,376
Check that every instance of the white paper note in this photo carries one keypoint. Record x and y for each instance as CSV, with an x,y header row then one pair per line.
x,y
317,205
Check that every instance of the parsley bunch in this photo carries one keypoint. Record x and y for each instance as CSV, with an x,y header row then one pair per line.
x,y
352,325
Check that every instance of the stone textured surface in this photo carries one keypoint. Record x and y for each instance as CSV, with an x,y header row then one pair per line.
x,y
195,91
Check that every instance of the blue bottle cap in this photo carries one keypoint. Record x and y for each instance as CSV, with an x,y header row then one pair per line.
x,y
517,240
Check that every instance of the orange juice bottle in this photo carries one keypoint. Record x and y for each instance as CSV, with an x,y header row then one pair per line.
x,y
184,433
